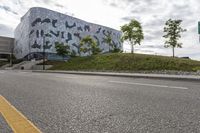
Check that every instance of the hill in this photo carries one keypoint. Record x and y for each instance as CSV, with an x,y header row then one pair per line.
x,y
127,63
3,63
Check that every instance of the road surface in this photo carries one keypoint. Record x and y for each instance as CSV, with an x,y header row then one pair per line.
x,y
64,103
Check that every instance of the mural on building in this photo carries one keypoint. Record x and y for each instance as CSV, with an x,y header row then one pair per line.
x,y
40,26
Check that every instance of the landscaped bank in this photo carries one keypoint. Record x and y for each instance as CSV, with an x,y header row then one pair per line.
x,y
123,62
3,63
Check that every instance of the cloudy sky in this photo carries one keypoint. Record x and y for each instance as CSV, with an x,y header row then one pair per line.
x,y
113,13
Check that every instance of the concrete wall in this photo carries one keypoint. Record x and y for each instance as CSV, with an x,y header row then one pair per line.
x,y
6,45
38,23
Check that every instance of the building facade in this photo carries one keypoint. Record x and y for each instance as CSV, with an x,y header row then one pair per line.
x,y
6,47
41,27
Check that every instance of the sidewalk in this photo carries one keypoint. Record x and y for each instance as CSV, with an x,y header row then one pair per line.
x,y
136,75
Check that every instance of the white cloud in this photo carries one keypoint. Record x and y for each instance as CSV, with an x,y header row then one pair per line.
x,y
114,13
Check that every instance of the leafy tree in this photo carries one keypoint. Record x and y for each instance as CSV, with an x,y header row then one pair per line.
x,y
132,33
108,40
88,44
116,50
173,32
62,49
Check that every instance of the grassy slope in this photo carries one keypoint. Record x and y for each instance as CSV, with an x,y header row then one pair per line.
x,y
126,62
3,63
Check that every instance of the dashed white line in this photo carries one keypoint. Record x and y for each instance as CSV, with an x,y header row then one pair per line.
x,y
152,85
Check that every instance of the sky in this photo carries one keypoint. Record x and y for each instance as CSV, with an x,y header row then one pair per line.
x,y
152,14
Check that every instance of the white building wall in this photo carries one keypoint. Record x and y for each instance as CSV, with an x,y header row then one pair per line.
x,y
57,27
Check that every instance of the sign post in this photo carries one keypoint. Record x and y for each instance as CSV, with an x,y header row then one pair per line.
x,y
199,30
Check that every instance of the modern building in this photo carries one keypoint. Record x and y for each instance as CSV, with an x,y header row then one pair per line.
x,y
42,28
6,47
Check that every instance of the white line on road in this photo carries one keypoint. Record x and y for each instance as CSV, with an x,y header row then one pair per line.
x,y
65,77
22,72
153,85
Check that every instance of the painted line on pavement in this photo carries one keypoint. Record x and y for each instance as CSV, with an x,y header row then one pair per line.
x,y
23,72
16,120
152,85
65,77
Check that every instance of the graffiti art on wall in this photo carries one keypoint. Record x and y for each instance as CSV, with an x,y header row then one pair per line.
x,y
61,28
70,26
99,30
78,36
56,34
69,37
46,20
79,28
36,45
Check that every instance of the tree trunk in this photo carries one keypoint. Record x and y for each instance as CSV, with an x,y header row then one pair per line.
x,y
79,52
132,48
173,52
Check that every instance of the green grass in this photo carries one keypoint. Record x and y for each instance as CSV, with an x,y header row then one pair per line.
x,y
127,63
3,63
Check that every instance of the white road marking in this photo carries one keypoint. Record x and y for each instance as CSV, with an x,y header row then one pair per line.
x,y
22,72
153,85
65,77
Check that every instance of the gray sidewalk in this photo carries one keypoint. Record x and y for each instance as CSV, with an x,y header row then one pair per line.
x,y
136,75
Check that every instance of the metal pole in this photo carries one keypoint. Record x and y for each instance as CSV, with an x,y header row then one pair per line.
x,y
11,56
199,37
44,53
10,59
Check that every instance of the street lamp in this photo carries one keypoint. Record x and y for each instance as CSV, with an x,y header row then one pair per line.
x,y
11,55
44,52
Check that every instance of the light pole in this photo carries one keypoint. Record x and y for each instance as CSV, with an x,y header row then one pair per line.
x,y
11,55
43,52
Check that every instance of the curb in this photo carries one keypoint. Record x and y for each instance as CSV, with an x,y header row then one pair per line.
x,y
134,75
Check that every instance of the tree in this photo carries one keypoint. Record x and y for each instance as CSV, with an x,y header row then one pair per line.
x,y
62,49
132,33
108,40
173,32
87,44
116,49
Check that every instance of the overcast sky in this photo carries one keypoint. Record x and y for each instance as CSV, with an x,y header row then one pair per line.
x,y
113,13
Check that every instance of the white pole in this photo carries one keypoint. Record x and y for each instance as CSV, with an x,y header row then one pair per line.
x,y
199,38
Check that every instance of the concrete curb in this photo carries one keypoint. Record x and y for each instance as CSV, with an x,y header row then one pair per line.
x,y
134,75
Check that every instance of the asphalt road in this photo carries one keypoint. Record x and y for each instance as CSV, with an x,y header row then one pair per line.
x,y
64,103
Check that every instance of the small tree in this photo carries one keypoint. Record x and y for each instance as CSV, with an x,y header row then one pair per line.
x,y
62,49
173,32
133,33
108,40
88,44
116,49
